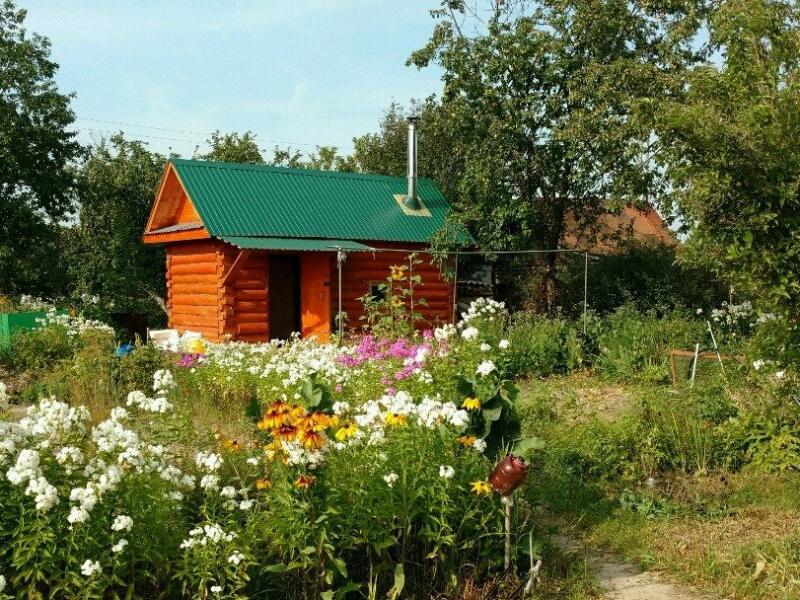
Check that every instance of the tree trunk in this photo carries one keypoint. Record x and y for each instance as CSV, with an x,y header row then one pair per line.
x,y
547,289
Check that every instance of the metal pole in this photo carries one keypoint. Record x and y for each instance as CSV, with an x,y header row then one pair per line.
x,y
585,289
340,256
455,291
507,500
694,363
411,292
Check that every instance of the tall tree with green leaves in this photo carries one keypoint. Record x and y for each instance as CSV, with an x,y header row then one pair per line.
x,y
117,185
549,102
324,158
36,149
732,154
233,147
385,152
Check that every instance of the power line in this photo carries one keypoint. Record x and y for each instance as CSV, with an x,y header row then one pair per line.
x,y
205,134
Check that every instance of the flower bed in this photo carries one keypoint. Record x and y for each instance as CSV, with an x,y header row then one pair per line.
x,y
364,469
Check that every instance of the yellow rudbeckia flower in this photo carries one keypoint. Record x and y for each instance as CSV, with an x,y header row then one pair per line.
x,y
396,420
471,404
346,431
481,487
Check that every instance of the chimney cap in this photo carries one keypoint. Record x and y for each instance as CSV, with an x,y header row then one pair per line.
x,y
412,119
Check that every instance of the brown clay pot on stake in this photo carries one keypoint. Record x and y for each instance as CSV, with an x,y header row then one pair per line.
x,y
508,474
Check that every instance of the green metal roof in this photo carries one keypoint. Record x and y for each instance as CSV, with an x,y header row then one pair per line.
x,y
238,200
271,243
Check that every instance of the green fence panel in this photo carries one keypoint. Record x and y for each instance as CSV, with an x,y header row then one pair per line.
x,y
10,323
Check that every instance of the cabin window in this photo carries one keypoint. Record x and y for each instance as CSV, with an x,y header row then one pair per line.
x,y
377,291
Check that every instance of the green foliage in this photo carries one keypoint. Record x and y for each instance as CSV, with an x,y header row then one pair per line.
x,y
730,147
108,262
635,346
391,313
647,277
137,368
546,100
540,347
36,146
233,147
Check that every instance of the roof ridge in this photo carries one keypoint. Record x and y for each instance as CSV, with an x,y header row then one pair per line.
x,y
214,164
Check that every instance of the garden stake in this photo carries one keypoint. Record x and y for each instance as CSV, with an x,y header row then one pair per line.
x,y
533,572
694,363
508,501
340,257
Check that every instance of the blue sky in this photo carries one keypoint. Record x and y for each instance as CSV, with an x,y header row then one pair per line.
x,y
297,73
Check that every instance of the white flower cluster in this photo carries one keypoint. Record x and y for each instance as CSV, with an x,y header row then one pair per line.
x,y
27,469
140,400
163,382
485,368
3,397
207,534
34,304
374,415
482,308
74,325
209,463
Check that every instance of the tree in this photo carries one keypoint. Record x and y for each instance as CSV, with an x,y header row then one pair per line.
x,y
731,151
117,185
439,152
325,158
549,104
233,147
36,148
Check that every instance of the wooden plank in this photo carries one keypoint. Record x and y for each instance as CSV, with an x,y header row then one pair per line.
x,y
191,321
194,309
251,329
248,284
194,268
239,262
257,294
194,288
251,317
247,306
204,256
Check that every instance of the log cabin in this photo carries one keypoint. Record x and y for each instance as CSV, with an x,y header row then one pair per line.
x,y
253,251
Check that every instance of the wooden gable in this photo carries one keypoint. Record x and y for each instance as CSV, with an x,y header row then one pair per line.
x,y
173,217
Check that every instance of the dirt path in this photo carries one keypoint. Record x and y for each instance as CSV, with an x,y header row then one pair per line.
x,y
624,582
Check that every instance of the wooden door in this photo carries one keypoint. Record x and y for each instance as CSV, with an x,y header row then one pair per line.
x,y
315,290
284,296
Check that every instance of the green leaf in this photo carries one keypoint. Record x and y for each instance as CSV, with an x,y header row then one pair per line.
x,y
399,582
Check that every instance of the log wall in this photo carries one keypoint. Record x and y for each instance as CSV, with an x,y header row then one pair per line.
x,y
363,269
245,298
200,299
193,294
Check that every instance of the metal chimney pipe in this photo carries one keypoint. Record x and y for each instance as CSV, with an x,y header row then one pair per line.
x,y
411,200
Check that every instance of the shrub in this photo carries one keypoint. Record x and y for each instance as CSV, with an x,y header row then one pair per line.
x,y
334,490
635,346
644,276
540,346
137,368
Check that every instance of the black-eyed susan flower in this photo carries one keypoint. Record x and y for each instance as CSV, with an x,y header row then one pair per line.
x,y
287,432
231,444
481,487
311,439
467,440
263,484
346,431
396,420
305,481
471,404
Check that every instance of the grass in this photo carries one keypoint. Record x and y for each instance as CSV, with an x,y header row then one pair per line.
x,y
733,534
